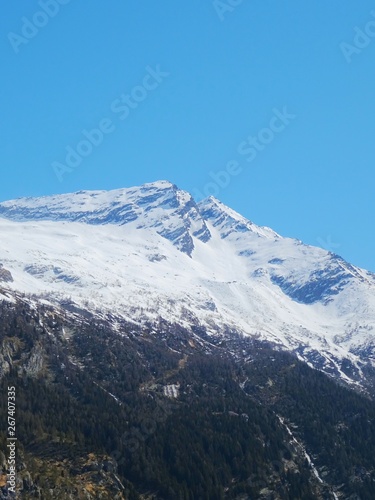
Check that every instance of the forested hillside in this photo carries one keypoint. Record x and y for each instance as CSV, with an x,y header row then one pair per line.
x,y
131,412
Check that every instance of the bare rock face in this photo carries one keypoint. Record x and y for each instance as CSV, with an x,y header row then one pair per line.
x,y
5,275
32,364
8,349
35,363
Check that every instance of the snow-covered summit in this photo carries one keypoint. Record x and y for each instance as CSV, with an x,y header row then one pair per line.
x,y
229,221
96,207
160,205
152,252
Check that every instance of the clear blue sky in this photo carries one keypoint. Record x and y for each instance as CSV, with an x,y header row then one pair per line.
x,y
228,69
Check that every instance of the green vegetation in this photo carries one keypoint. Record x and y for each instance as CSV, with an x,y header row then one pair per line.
x,y
93,420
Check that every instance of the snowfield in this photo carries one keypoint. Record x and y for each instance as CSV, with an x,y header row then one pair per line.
x,y
151,251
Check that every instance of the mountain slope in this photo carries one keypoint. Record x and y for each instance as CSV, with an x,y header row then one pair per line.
x,y
171,212
144,413
151,253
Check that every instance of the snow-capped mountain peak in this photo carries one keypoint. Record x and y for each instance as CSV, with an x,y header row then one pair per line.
x,y
95,207
152,252
160,205
229,221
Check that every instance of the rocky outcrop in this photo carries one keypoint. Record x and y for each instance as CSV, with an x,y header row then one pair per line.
x,y
35,363
83,478
5,275
31,364
8,349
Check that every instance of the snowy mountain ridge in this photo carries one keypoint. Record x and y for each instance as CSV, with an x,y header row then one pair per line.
x,y
148,204
152,252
